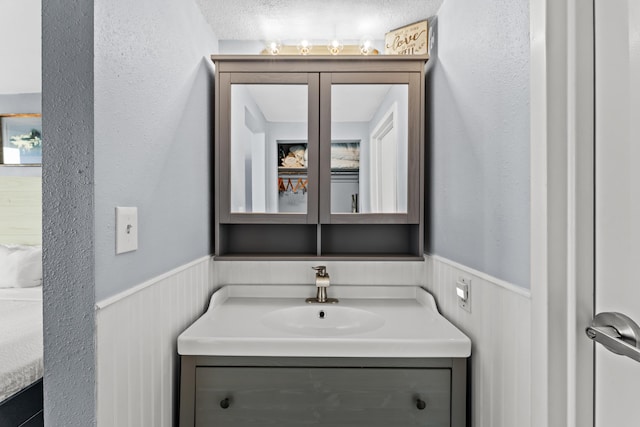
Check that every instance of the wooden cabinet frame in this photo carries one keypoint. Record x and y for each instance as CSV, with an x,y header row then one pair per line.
x,y
414,161
224,152
322,234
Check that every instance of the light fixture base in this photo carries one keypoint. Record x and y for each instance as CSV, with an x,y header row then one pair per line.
x,y
348,50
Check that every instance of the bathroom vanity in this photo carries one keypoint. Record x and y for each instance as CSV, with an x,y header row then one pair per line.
x,y
319,158
381,356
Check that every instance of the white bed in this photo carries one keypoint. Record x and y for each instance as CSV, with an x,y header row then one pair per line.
x,y
20,299
20,339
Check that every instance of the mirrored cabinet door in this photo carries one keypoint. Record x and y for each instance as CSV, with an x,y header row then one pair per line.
x,y
369,148
269,145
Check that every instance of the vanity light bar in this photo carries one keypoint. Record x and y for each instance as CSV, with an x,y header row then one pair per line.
x,y
273,48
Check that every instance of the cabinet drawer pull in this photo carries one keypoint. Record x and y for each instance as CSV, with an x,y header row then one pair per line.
x,y
420,404
224,403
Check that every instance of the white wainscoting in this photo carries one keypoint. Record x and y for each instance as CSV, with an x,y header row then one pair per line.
x,y
137,361
300,273
499,326
20,209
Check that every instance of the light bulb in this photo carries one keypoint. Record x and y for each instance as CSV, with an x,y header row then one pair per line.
x,y
335,47
274,47
366,47
304,47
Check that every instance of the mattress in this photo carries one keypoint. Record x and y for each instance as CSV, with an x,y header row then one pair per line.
x,y
20,339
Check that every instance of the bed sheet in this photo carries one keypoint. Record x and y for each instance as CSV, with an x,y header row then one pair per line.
x,y
20,339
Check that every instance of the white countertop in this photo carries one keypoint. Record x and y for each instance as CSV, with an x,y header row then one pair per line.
x,y
234,324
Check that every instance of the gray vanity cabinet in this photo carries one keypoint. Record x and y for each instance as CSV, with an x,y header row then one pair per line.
x,y
319,157
373,393
322,396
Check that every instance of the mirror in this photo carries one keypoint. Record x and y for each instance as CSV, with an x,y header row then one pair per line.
x,y
21,139
268,148
369,149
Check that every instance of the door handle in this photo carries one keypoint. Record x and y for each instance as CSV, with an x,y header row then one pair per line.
x,y
617,333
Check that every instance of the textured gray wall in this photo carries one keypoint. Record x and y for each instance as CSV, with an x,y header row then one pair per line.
x,y
142,141
68,238
478,137
153,91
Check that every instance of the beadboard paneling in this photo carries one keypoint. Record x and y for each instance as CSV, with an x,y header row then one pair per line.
x,y
499,326
21,210
300,273
137,360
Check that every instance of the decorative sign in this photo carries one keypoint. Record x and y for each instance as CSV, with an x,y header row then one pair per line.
x,y
409,40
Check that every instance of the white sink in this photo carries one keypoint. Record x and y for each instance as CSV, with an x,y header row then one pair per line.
x,y
319,320
369,321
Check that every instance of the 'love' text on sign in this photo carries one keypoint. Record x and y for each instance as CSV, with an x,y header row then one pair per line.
x,y
409,40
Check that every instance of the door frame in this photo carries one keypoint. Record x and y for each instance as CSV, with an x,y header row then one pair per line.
x,y
562,211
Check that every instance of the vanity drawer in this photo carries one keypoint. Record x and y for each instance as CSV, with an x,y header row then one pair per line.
x,y
336,397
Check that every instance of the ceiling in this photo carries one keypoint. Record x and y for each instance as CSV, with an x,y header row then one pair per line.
x,y
290,20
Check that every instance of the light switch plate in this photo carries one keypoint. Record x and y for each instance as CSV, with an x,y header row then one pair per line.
x,y
126,229
463,289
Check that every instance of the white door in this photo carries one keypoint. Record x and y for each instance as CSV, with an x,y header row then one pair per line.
x,y
384,148
388,149
617,378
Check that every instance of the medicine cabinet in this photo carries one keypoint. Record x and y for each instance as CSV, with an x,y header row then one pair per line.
x,y
319,157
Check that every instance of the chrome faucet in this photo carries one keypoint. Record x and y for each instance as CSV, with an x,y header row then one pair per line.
x,y
322,283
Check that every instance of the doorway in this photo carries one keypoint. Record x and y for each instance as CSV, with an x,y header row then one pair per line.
x,y
384,149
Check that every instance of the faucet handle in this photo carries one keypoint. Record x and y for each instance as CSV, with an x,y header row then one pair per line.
x,y
321,269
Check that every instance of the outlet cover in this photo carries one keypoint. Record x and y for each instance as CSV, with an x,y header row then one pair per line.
x,y
463,293
126,229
